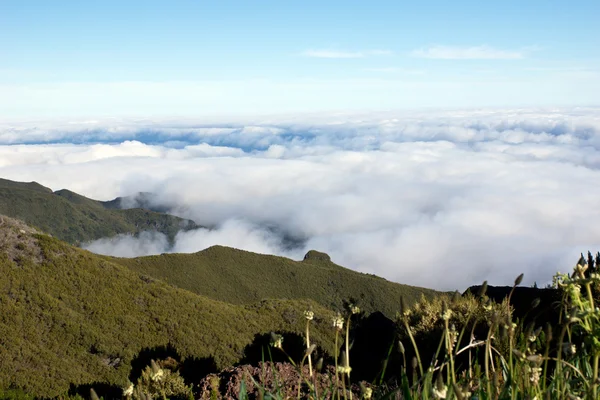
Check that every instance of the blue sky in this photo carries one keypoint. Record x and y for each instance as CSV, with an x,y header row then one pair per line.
x,y
66,58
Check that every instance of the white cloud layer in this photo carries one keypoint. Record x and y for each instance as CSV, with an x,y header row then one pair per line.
x,y
443,200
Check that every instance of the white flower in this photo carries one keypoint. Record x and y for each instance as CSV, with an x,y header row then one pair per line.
x,y
338,322
343,369
309,315
158,375
441,393
128,391
447,314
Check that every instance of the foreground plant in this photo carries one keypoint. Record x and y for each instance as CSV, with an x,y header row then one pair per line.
x,y
482,353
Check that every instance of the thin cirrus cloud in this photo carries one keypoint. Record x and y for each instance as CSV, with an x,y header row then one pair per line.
x,y
467,53
483,194
316,53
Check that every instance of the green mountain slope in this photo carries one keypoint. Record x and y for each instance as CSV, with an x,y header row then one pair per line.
x,y
68,316
242,277
75,218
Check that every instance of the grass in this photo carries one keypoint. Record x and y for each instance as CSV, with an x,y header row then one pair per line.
x,y
506,360
69,317
77,219
242,277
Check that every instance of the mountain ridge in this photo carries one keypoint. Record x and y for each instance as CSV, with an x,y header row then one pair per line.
x,y
242,277
77,219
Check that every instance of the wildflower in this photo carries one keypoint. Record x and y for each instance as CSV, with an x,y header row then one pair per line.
x,y
344,366
366,392
128,391
580,269
447,314
344,369
309,315
532,338
569,349
440,393
338,322
488,305
157,373
534,375
276,341
440,390
354,310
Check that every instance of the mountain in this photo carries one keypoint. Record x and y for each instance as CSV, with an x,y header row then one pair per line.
x,y
221,273
77,219
242,277
69,317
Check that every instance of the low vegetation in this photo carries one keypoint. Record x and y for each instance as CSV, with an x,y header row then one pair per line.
x,y
77,219
69,317
242,277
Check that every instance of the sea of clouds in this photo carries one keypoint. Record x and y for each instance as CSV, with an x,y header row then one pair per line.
x,y
442,199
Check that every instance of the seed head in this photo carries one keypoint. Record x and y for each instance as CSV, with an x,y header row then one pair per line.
x,y
414,363
309,350
401,347
319,364
519,280
482,289
93,395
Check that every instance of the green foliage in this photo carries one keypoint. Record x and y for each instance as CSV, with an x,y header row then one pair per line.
x,y
68,317
77,219
158,382
242,277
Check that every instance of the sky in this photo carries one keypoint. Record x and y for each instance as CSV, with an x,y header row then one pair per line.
x,y
438,144
226,58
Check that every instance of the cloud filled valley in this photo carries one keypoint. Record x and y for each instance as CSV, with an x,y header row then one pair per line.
x,y
438,199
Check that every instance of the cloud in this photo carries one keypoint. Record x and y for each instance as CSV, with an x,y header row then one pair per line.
x,y
233,233
411,196
128,246
467,53
345,54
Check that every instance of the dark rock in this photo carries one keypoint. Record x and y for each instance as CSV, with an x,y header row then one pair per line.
x,y
314,255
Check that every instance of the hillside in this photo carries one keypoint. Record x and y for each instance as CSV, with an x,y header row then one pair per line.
x,y
68,317
242,277
77,219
